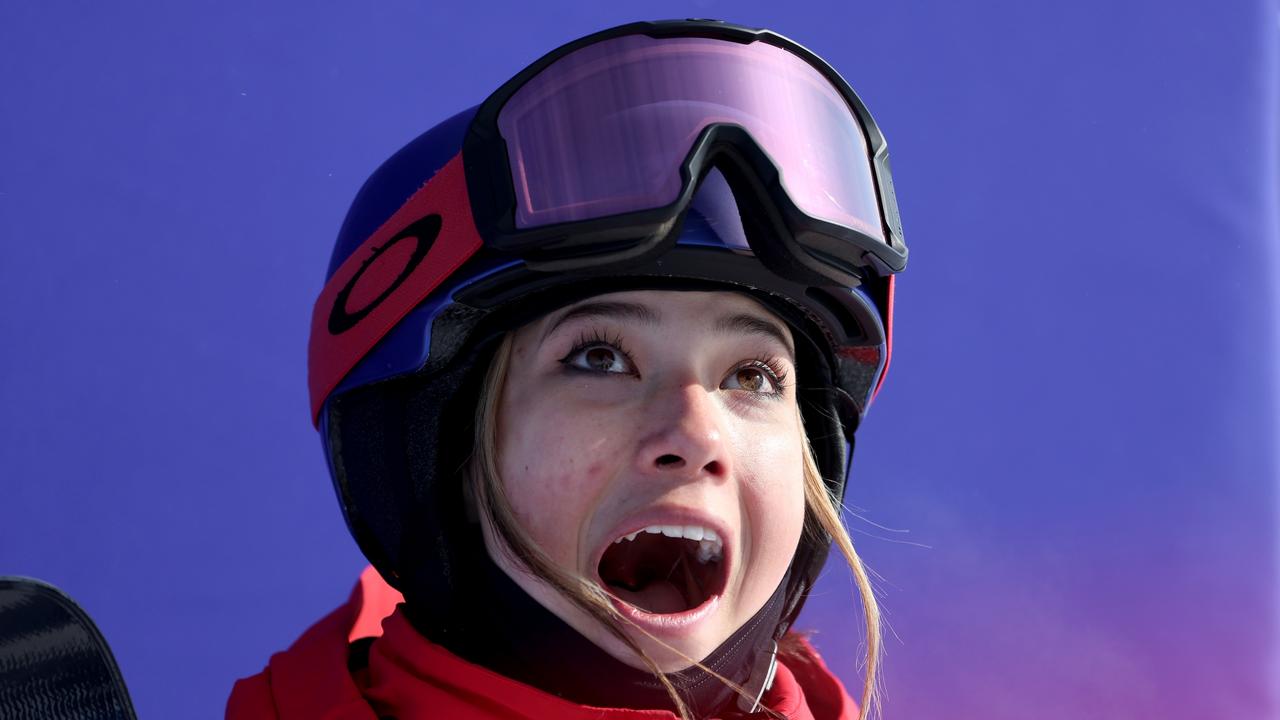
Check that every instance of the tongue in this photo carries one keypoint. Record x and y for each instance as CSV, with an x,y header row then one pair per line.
x,y
659,596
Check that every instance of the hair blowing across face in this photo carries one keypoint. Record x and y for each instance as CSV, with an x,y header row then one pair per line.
x,y
823,520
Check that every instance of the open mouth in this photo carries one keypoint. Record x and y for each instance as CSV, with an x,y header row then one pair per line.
x,y
665,569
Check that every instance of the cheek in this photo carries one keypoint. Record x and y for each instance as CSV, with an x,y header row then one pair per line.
x,y
551,480
773,497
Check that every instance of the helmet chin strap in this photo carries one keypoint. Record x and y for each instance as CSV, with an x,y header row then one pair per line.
x,y
762,673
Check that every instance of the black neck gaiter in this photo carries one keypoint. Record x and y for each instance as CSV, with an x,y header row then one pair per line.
x,y
512,634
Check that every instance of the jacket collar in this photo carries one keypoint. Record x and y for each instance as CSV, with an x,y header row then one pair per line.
x,y
410,678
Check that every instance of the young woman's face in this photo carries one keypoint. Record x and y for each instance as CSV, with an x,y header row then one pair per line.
x,y
649,441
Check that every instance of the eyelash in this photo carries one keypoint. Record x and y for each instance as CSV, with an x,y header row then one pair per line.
x,y
767,364
598,337
588,340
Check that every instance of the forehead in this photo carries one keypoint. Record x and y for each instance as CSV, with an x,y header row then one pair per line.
x,y
724,311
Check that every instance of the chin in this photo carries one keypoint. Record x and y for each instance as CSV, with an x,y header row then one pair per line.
x,y
675,654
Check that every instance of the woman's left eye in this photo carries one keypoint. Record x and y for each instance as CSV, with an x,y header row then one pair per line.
x,y
756,377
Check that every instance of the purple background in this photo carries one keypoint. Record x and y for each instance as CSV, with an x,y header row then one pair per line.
x,y
1079,425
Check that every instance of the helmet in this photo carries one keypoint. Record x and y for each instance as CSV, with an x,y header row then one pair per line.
x,y
472,230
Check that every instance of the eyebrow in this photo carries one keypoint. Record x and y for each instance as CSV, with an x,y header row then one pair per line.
x,y
633,312
751,325
738,323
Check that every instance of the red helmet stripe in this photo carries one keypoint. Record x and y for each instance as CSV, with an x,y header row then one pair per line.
x,y
414,251
888,337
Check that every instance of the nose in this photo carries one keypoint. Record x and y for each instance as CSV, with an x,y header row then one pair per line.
x,y
683,434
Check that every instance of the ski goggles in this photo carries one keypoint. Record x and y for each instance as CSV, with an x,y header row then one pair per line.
x,y
588,159
590,154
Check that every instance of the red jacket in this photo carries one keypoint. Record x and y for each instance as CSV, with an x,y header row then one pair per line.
x,y
411,678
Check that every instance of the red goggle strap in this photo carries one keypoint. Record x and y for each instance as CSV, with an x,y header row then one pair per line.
x,y
394,270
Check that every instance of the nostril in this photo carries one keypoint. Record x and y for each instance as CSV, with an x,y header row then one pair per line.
x,y
669,462
714,467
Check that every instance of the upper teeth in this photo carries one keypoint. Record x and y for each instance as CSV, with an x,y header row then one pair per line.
x,y
710,546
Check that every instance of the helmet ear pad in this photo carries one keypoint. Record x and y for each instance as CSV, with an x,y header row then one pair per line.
x,y
402,435
830,417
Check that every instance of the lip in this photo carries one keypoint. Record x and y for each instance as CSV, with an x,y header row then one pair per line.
x,y
667,623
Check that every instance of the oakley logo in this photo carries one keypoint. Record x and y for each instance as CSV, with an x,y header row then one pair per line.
x,y
423,233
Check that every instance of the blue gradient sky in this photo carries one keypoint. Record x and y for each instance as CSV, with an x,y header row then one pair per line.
x,y
1067,487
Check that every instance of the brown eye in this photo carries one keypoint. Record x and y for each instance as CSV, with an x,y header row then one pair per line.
x,y
600,358
755,378
751,379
